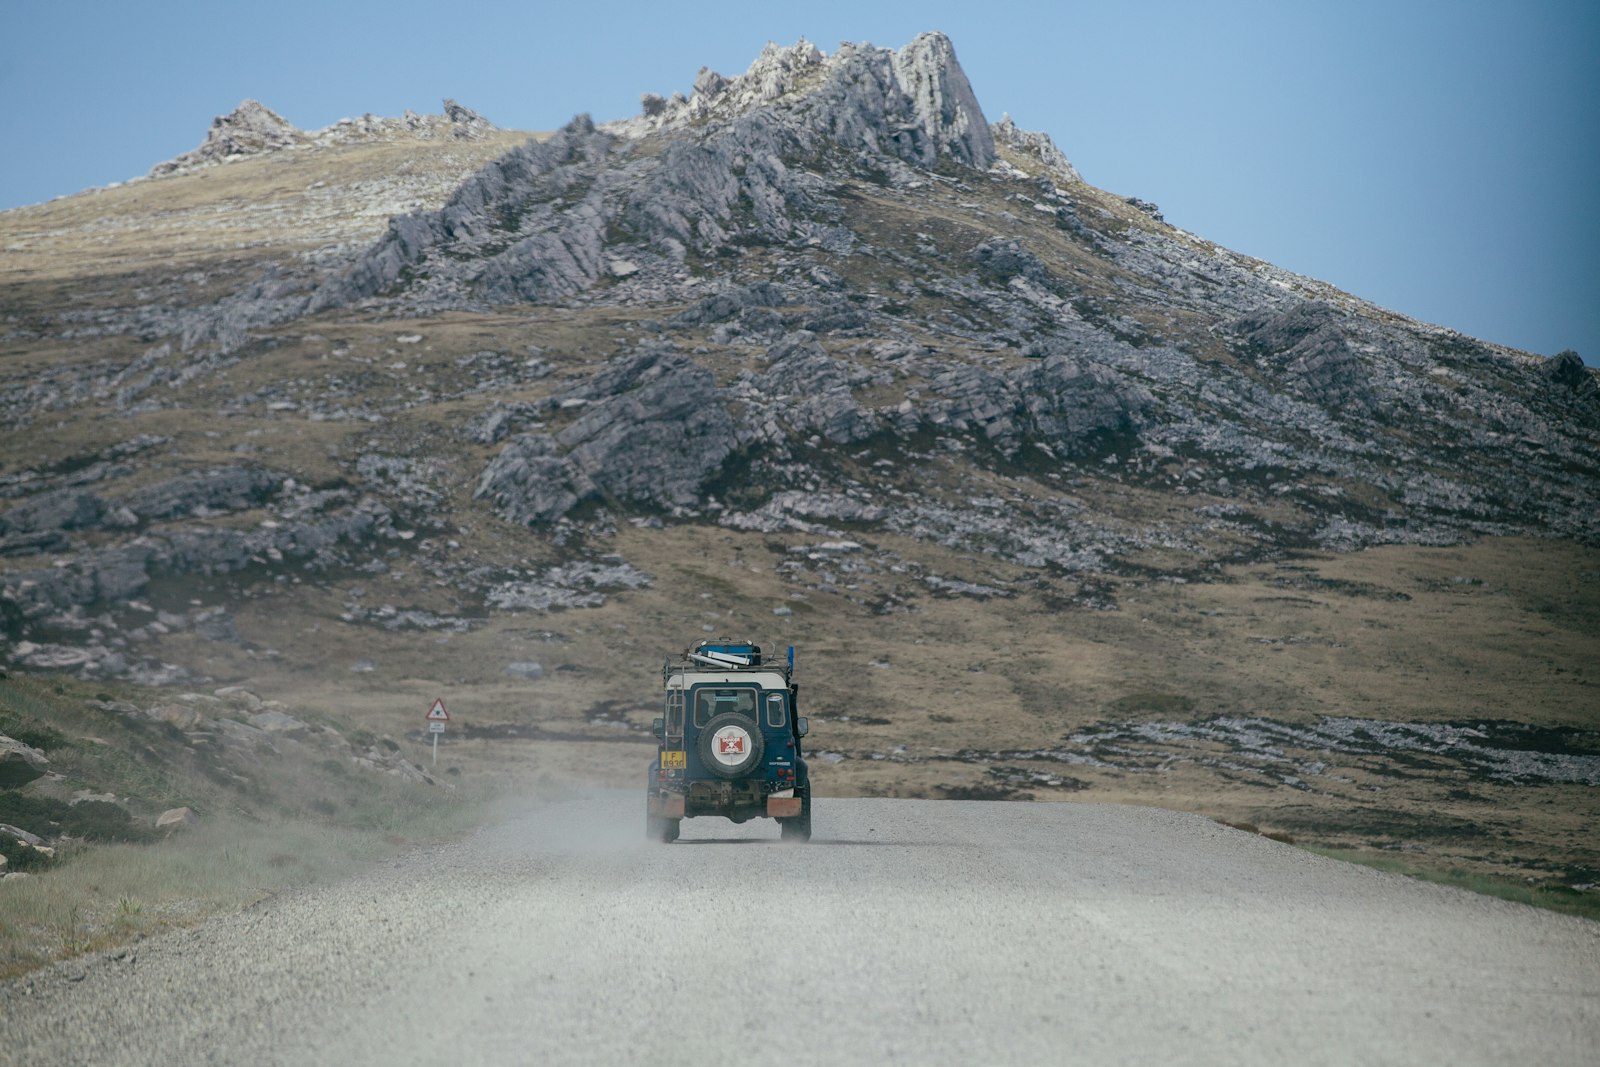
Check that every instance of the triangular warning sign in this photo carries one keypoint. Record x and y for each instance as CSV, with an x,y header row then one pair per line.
x,y
437,712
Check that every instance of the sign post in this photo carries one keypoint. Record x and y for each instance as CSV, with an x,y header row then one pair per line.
x,y
437,717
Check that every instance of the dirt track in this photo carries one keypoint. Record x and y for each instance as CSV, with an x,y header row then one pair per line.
x,y
908,931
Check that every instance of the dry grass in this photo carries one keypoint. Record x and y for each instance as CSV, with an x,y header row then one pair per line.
x,y
102,896
282,203
305,816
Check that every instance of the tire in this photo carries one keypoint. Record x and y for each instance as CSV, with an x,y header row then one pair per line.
x,y
718,754
669,830
798,828
655,826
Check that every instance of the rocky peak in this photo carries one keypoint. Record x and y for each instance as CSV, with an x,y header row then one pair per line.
x,y
775,73
945,105
917,101
248,130
739,162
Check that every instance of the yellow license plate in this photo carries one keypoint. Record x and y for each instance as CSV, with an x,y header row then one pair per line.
x,y
673,759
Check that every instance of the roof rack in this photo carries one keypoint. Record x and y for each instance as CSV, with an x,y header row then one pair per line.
x,y
725,655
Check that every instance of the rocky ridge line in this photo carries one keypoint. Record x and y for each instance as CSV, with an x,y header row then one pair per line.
x,y
252,129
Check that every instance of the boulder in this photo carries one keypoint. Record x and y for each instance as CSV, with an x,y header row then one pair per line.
x,y
215,624
243,736
1004,258
277,722
465,123
176,819
720,307
530,671
184,718
17,833
61,509
27,544
19,763
203,493
51,657
51,786
239,697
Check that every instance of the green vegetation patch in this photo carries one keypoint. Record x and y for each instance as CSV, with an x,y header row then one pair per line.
x,y
1553,897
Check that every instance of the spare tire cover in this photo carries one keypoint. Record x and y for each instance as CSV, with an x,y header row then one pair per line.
x,y
730,745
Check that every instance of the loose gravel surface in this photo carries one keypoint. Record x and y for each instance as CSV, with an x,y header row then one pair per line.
x,y
918,932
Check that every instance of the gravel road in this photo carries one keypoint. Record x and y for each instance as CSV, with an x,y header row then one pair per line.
x,y
914,932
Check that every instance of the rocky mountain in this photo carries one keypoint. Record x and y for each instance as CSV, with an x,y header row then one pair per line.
x,y
824,298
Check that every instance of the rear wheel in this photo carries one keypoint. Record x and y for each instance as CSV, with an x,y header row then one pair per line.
x,y
669,830
655,826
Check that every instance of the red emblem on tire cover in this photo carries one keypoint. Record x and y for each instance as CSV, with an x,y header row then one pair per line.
x,y
734,745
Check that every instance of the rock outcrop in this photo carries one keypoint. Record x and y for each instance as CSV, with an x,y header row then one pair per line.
x,y
654,429
248,130
651,432
549,219
1312,354
1035,146
251,129
915,104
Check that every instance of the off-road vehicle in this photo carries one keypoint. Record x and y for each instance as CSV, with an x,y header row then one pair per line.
x,y
729,742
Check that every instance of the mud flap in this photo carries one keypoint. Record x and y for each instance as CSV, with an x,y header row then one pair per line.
x,y
783,807
665,805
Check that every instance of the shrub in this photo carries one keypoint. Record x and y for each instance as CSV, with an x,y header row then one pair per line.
x,y
101,820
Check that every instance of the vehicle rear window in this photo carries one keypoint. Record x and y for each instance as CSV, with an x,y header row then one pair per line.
x,y
709,702
777,715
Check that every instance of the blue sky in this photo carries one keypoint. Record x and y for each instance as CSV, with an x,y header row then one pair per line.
x,y
1440,159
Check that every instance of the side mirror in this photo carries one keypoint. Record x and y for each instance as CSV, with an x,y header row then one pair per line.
x,y
801,726
658,726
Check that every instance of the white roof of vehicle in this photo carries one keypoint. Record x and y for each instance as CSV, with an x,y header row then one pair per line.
x,y
764,678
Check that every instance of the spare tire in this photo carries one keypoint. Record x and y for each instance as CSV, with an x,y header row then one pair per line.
x,y
730,745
